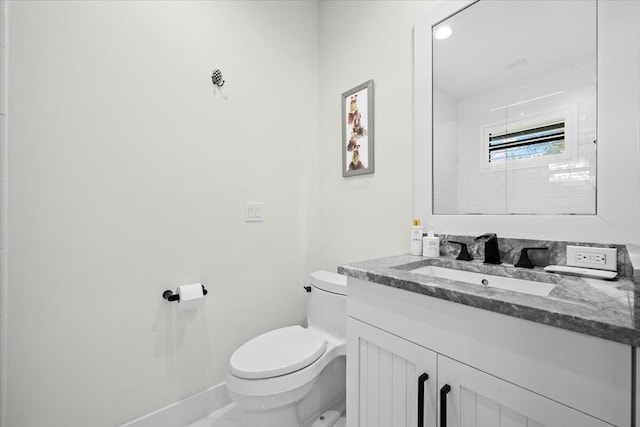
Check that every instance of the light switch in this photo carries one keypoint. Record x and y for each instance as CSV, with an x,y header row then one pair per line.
x,y
253,211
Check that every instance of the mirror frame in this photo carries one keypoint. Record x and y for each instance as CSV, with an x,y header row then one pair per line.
x,y
606,226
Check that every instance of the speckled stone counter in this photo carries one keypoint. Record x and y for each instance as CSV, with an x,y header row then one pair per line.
x,y
599,308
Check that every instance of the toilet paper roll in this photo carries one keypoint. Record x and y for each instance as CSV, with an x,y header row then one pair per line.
x,y
190,292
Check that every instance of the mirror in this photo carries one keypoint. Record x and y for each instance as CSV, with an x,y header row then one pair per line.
x,y
514,109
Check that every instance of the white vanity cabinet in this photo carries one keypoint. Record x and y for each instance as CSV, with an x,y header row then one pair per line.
x,y
391,377
501,371
476,398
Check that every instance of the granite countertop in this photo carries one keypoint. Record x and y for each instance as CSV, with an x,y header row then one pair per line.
x,y
599,308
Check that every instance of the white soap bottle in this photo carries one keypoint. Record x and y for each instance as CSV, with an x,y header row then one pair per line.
x,y
431,244
416,238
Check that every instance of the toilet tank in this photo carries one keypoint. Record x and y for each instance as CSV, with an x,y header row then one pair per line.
x,y
327,310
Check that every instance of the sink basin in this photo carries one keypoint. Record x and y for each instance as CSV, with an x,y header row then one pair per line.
x,y
482,279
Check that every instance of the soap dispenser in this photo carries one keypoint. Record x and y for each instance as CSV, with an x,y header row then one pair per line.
x,y
431,244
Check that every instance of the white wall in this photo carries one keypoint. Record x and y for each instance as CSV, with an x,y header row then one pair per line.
x,y
129,174
369,215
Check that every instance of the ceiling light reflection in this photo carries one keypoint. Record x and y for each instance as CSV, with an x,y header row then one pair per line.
x,y
443,32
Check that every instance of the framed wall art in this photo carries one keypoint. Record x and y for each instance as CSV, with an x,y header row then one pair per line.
x,y
357,130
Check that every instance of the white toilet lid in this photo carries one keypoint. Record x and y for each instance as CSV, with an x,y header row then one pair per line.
x,y
330,282
277,352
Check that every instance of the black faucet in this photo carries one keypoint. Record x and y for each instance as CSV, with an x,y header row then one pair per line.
x,y
524,260
491,251
464,252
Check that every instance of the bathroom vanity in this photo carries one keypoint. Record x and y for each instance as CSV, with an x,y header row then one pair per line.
x,y
507,135
428,350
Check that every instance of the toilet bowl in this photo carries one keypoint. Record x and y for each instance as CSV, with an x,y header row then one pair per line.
x,y
290,376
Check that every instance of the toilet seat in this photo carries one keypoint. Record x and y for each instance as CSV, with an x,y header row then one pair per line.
x,y
278,352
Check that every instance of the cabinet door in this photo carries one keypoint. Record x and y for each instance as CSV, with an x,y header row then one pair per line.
x,y
390,381
469,398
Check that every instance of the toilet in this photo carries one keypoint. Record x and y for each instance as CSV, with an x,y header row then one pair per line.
x,y
295,376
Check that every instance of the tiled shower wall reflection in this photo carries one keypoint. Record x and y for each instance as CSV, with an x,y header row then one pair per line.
x,y
463,184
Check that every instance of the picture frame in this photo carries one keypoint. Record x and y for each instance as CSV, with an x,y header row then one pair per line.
x,y
358,130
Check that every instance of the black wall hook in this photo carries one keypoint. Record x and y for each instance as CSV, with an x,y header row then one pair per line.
x,y
170,296
216,78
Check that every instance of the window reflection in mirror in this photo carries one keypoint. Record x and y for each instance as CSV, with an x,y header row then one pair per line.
x,y
514,108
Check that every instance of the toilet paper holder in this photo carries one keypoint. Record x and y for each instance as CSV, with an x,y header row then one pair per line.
x,y
170,296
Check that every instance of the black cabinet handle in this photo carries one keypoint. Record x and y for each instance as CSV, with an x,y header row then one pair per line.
x,y
443,404
421,380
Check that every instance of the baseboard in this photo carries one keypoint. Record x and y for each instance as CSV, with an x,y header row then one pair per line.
x,y
186,411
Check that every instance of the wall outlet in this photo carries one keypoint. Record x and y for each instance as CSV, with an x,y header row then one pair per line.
x,y
590,257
